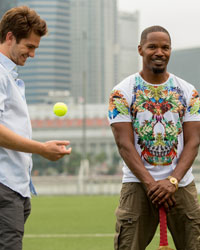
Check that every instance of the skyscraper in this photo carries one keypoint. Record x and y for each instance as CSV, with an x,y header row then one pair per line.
x,y
49,73
128,24
94,59
185,64
88,50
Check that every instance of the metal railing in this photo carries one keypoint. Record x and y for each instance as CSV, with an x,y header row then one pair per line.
x,y
74,185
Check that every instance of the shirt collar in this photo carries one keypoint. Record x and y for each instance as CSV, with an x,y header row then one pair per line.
x,y
9,65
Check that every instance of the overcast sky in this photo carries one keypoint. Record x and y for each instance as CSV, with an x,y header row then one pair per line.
x,y
180,17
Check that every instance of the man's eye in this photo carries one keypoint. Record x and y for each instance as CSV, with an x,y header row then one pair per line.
x,y
152,46
166,48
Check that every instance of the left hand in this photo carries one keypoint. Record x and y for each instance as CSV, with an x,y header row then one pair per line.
x,y
162,192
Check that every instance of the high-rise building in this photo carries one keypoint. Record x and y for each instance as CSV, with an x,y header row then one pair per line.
x,y
49,73
94,49
128,42
88,50
185,64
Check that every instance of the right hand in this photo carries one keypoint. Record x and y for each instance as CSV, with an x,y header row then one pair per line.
x,y
55,150
162,193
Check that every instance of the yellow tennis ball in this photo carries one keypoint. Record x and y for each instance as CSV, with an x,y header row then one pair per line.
x,y
60,109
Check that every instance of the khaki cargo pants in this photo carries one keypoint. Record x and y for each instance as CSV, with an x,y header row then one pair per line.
x,y
138,218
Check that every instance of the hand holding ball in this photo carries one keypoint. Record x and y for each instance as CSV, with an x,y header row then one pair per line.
x,y
60,109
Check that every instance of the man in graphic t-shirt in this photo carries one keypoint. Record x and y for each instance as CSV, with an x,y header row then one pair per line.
x,y
155,119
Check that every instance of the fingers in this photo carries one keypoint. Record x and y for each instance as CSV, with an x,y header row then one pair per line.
x,y
165,205
157,192
169,204
152,190
65,143
60,143
158,197
67,151
171,201
166,198
64,150
54,150
162,193
58,156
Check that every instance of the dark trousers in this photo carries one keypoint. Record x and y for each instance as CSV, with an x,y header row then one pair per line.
x,y
14,210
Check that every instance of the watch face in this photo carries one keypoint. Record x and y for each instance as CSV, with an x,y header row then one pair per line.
x,y
173,180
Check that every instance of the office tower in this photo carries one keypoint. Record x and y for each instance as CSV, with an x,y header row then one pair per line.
x,y
48,75
185,64
89,49
94,49
128,43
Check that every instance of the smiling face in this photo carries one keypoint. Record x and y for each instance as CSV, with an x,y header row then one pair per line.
x,y
155,50
19,52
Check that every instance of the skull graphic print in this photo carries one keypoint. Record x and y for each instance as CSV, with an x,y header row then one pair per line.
x,y
157,113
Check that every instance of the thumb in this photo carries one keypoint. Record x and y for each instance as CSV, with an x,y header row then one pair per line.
x,y
66,150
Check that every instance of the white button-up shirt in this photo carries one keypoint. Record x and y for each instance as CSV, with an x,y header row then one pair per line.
x,y
15,167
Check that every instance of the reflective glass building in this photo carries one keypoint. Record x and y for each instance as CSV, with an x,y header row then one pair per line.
x,y
49,73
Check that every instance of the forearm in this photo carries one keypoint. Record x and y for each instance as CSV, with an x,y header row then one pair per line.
x,y
124,137
135,164
186,159
13,141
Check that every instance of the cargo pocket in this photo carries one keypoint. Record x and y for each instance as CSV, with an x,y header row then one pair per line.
x,y
125,229
193,231
127,197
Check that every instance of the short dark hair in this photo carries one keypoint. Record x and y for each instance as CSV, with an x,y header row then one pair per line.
x,y
155,28
21,21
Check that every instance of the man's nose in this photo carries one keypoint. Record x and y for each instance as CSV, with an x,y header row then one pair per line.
x,y
32,53
159,52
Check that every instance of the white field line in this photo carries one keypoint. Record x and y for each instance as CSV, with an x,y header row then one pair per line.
x,y
67,235
98,235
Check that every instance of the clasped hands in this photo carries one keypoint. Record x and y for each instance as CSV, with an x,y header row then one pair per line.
x,y
162,193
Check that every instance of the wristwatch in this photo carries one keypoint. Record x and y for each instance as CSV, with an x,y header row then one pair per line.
x,y
174,181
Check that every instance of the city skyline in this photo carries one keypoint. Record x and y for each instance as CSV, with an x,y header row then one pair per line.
x,y
49,73
85,53
179,17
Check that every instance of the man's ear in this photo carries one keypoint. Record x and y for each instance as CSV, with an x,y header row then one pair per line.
x,y
140,50
10,37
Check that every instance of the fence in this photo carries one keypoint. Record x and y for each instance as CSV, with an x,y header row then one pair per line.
x,y
74,185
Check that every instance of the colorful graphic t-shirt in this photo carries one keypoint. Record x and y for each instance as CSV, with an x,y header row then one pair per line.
x,y
157,113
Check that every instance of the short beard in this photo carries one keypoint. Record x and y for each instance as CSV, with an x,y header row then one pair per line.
x,y
158,71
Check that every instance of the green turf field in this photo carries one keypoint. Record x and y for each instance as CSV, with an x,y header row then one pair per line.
x,y
73,223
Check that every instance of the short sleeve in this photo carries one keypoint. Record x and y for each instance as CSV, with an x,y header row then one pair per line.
x,y
193,107
119,107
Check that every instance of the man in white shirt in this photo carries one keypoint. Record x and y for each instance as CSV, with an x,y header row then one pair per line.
x,y
20,32
155,119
